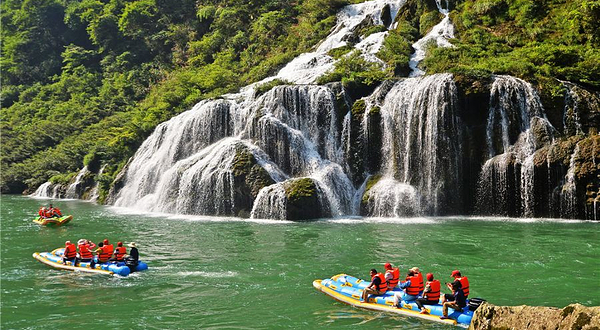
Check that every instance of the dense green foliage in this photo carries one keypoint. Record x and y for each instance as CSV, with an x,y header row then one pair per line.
x,y
87,81
530,39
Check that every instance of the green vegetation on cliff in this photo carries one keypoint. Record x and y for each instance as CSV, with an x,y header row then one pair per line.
x,y
94,78
530,39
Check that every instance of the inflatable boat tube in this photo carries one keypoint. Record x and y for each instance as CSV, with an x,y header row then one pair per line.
x,y
53,221
54,259
349,289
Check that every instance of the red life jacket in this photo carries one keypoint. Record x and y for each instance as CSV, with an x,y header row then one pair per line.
x,y
56,211
420,281
413,289
105,254
84,252
110,248
395,278
48,213
120,252
70,251
383,286
464,282
434,294
42,212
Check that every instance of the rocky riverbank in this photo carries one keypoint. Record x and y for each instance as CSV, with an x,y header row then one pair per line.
x,y
572,317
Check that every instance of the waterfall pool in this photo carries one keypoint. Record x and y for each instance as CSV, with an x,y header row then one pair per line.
x,y
209,273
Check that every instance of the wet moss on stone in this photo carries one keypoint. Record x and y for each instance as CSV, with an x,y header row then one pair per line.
x,y
249,178
303,200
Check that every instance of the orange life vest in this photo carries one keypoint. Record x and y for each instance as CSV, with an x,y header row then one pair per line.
x,y
42,211
395,278
47,213
413,289
70,251
110,249
120,252
105,254
434,293
420,281
383,286
464,282
84,252
56,211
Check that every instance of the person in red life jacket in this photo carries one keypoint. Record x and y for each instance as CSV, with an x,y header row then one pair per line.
x,y
431,294
377,287
120,252
70,253
85,251
392,276
103,255
109,247
456,301
42,212
410,289
419,279
55,212
462,280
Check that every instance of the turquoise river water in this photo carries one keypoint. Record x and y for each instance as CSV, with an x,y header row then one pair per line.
x,y
219,273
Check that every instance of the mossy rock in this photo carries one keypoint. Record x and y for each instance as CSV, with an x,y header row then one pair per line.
x,y
249,179
305,200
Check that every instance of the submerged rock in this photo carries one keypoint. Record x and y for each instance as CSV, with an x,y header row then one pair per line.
x,y
572,317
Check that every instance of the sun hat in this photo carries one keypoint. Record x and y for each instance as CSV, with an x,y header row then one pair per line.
x,y
132,244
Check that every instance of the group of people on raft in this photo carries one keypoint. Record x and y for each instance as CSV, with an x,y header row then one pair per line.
x,y
105,252
414,290
49,212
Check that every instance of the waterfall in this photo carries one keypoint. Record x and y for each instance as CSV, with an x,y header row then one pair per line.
x,y
307,67
94,194
571,116
44,191
421,140
568,194
516,127
187,164
439,34
270,203
75,189
390,198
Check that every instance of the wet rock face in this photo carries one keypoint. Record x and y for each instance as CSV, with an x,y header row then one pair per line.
x,y
305,200
572,317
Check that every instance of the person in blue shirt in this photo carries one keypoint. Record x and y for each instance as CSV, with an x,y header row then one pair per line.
x,y
457,301
410,289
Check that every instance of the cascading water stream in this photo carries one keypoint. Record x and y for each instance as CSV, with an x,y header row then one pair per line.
x,y
75,189
507,178
568,194
440,34
421,141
